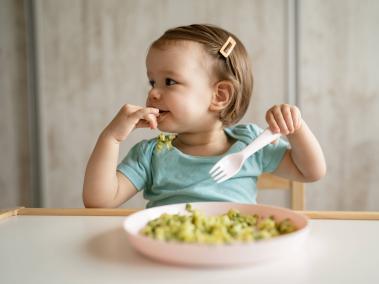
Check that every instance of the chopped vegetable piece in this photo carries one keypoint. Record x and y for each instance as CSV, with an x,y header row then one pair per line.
x,y
164,141
224,229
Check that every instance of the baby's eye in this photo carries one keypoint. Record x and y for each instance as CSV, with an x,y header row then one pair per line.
x,y
152,83
170,82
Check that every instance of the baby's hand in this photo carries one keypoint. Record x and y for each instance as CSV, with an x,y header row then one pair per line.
x,y
130,117
284,118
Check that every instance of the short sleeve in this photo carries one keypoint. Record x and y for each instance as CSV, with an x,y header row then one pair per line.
x,y
136,164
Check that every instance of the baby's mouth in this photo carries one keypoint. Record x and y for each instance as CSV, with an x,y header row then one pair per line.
x,y
163,111
162,114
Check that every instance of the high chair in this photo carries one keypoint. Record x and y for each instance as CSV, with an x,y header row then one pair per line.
x,y
269,181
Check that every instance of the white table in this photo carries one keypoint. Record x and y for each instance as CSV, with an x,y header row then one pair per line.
x,y
93,249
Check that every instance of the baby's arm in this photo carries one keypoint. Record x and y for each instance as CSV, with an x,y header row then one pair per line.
x,y
305,160
103,185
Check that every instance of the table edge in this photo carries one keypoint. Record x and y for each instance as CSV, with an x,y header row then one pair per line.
x,y
22,211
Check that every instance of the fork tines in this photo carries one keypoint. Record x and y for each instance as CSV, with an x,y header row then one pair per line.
x,y
217,173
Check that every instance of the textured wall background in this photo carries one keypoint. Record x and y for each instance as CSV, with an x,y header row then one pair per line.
x,y
91,61
339,91
14,159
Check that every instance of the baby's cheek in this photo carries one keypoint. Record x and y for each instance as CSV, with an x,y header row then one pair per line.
x,y
185,108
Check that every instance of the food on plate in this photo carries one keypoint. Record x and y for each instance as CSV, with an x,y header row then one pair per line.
x,y
230,227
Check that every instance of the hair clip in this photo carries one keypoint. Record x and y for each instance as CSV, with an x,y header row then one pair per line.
x,y
228,46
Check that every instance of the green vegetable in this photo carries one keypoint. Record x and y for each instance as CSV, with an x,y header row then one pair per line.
x,y
164,141
224,229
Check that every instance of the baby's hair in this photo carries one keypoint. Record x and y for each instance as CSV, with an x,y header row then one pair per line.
x,y
235,68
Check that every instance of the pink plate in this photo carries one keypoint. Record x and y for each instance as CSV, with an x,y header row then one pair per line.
x,y
216,255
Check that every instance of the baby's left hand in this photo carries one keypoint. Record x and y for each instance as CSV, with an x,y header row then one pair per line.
x,y
284,118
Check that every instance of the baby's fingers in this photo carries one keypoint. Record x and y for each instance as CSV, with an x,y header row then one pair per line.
x,y
151,121
276,120
287,116
296,117
284,118
147,117
270,118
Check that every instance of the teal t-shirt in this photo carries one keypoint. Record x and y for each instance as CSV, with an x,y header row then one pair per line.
x,y
170,176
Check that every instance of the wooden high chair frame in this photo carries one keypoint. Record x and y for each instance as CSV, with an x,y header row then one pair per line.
x,y
269,181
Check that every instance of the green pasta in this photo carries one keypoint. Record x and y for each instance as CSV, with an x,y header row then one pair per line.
x,y
224,229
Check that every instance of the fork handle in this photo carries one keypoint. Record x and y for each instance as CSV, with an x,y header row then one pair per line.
x,y
265,138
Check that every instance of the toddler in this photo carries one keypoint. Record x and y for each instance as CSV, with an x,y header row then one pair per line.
x,y
201,84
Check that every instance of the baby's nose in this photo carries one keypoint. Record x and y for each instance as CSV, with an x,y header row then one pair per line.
x,y
154,94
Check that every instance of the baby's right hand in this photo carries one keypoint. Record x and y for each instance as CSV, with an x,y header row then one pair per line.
x,y
130,117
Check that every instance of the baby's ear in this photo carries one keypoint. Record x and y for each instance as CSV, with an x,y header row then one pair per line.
x,y
222,95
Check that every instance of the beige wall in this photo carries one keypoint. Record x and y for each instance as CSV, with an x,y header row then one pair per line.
x,y
339,91
91,61
14,159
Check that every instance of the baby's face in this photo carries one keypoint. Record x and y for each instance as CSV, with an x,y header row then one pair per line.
x,y
181,86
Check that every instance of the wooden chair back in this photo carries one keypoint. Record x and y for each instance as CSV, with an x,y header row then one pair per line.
x,y
269,181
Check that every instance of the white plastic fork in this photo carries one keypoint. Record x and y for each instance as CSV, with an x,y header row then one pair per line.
x,y
229,165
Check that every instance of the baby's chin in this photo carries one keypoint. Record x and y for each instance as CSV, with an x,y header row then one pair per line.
x,y
165,129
